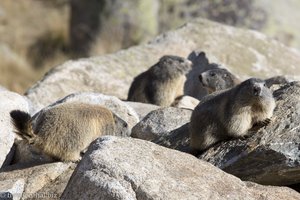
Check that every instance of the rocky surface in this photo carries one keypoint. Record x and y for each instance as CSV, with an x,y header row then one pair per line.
x,y
245,53
117,106
27,182
9,101
148,171
160,122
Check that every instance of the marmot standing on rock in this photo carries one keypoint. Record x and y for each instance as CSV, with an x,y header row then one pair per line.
x,y
161,83
66,130
231,113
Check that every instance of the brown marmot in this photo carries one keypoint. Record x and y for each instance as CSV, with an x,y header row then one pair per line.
x,y
66,130
161,83
220,79
200,64
231,113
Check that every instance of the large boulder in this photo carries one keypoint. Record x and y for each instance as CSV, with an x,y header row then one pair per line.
x,y
9,101
119,168
160,122
245,53
272,155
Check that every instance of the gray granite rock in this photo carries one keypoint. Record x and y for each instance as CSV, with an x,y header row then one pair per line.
x,y
9,101
160,122
126,168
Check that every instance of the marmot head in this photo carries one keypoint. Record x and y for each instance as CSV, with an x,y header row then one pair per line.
x,y
171,62
121,126
254,89
217,79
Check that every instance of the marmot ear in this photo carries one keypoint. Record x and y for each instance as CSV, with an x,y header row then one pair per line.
x,y
202,54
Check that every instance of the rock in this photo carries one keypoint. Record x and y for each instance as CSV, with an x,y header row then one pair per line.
x,y
35,178
186,102
142,109
245,53
120,108
9,101
119,168
11,189
160,122
178,139
271,156
55,188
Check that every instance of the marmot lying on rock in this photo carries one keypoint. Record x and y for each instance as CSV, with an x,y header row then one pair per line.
x,y
66,130
231,113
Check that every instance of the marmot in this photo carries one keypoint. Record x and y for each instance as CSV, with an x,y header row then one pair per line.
x,y
231,113
161,83
200,64
66,130
220,79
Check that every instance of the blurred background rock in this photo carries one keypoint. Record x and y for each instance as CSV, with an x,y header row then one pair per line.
x,y
36,35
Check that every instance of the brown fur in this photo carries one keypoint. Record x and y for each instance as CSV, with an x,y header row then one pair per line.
x,y
231,113
66,130
161,83
218,79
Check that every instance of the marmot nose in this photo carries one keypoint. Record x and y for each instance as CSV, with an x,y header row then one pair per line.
x,y
257,91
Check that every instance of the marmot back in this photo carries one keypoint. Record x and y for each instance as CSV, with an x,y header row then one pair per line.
x,y
66,130
231,113
161,83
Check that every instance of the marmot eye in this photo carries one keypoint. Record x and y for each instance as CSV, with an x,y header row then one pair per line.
x,y
212,74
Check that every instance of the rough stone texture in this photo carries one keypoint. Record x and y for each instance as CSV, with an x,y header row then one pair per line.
x,y
35,177
245,53
117,168
56,186
272,155
9,101
142,109
11,189
120,108
178,139
160,122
